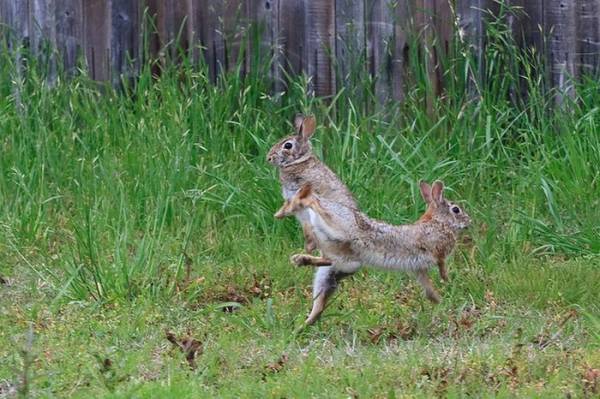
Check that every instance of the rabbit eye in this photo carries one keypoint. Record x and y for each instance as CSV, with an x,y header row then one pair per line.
x,y
456,209
288,146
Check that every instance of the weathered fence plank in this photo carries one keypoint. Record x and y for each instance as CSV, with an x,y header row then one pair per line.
x,y
42,24
472,32
425,25
182,31
534,27
153,22
380,45
400,50
222,26
97,29
444,22
213,51
588,29
125,38
8,28
234,30
516,19
320,45
292,22
21,21
212,39
349,42
264,45
5,15
69,32
17,15
444,26
560,18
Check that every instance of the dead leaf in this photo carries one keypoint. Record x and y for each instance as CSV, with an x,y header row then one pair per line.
x,y
261,287
276,366
490,300
352,393
255,290
439,375
375,334
188,345
591,381
8,390
233,295
405,297
468,318
404,331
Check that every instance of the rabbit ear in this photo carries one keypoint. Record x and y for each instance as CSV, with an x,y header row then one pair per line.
x,y
305,126
425,191
298,120
437,191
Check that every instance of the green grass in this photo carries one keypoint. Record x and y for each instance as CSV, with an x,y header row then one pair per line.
x,y
123,215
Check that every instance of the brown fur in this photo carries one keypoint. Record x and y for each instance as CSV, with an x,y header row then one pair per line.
x,y
351,238
427,216
298,166
346,237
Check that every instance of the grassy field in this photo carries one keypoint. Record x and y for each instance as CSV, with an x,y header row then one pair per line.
x,y
127,216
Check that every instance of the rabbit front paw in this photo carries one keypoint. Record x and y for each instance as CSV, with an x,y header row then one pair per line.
x,y
309,260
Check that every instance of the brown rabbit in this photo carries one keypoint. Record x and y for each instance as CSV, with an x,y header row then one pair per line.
x,y
298,166
349,239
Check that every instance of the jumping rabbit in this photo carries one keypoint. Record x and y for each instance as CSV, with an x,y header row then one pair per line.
x,y
298,166
349,239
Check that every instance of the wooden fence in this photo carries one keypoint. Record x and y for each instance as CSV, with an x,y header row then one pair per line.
x,y
322,38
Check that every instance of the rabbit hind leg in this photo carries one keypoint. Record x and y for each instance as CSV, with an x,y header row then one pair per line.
x,y
325,284
442,268
430,291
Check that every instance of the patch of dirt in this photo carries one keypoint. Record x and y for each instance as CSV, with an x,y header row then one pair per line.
x,y
547,337
260,287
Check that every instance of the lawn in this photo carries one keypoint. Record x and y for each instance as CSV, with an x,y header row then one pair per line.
x,y
140,256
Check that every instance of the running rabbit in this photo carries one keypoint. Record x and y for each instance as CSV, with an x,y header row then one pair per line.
x,y
349,239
